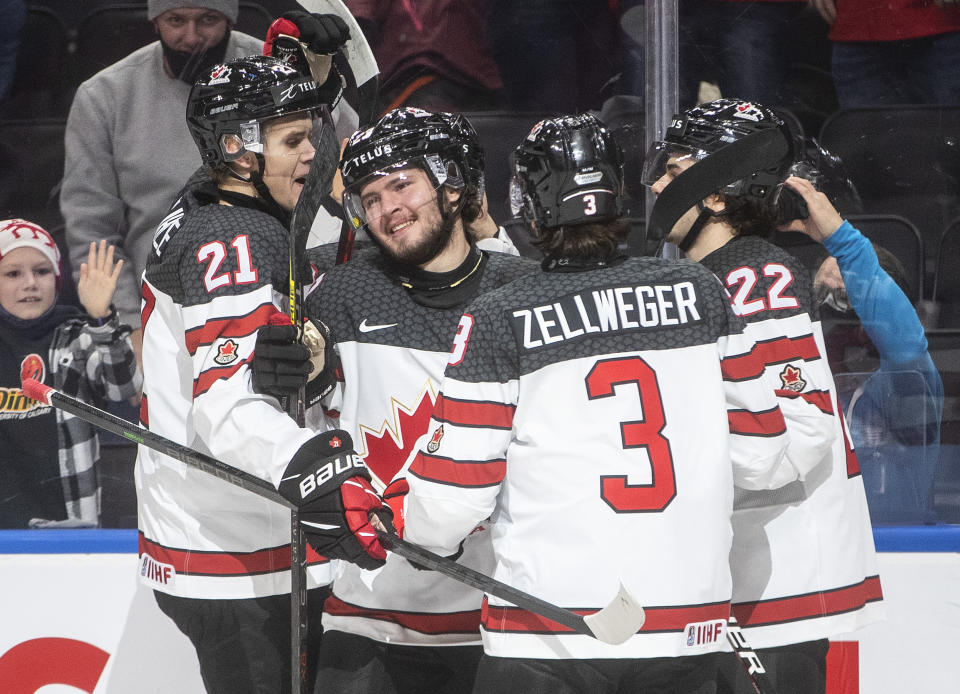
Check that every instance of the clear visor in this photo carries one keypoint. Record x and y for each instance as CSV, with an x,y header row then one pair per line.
x,y
396,194
667,160
287,135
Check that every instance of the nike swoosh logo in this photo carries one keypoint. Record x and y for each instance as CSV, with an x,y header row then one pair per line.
x,y
367,328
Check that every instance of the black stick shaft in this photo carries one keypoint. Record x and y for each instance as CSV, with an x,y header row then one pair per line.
x,y
749,659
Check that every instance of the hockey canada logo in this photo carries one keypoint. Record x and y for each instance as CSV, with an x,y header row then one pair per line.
x,y
435,440
220,75
226,353
792,379
748,112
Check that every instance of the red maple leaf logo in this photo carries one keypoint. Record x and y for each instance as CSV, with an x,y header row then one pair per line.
x,y
226,353
335,442
388,450
792,379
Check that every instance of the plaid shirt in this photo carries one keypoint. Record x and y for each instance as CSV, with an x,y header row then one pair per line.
x,y
94,364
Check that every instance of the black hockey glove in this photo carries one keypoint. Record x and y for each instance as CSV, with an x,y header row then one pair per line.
x,y
320,34
281,367
330,485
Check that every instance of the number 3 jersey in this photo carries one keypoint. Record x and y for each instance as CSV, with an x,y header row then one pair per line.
x,y
210,283
393,350
600,419
803,560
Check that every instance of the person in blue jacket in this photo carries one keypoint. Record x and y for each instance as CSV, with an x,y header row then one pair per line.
x,y
893,412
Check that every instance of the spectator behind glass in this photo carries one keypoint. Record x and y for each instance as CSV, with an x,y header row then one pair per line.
x,y
14,13
889,388
431,53
897,52
48,458
127,149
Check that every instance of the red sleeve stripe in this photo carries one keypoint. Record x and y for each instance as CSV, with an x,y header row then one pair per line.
x,y
746,423
819,399
470,413
506,619
459,473
809,606
465,622
210,376
236,326
149,302
784,349
743,367
200,563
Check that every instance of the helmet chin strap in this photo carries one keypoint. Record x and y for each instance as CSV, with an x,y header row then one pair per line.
x,y
706,213
256,180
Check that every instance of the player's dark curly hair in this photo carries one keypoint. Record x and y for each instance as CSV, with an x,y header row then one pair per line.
x,y
748,216
599,240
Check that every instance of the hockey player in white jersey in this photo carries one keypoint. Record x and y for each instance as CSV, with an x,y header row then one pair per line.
x,y
596,416
217,556
414,181
803,559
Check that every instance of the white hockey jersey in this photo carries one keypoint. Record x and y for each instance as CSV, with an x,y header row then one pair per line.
x,y
602,418
392,352
207,288
803,559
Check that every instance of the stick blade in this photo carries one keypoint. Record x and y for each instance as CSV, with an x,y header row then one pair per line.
x,y
619,620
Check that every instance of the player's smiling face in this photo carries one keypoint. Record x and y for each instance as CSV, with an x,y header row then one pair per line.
x,y
287,154
28,283
403,215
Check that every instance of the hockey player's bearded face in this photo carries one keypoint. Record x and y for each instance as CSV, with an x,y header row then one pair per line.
x,y
28,283
287,154
403,216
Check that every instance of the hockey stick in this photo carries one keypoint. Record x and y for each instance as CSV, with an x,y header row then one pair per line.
x,y
748,659
315,189
365,74
613,624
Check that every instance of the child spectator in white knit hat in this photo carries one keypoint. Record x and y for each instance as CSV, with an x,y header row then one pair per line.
x,y
48,458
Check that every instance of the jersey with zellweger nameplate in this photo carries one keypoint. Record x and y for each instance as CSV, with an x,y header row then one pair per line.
x,y
602,417
803,559
217,273
393,351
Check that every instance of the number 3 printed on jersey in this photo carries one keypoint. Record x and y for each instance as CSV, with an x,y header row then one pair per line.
x,y
744,279
643,433
215,252
461,339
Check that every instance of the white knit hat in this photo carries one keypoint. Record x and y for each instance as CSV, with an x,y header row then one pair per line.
x,y
230,8
19,233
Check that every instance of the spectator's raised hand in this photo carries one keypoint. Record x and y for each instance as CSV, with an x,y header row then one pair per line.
x,y
98,279
824,218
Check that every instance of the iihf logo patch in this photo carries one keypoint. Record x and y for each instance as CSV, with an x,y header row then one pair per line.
x,y
226,353
703,635
434,444
792,379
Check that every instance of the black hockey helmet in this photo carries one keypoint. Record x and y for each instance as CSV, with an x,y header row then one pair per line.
x,y
235,98
741,148
444,145
568,171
